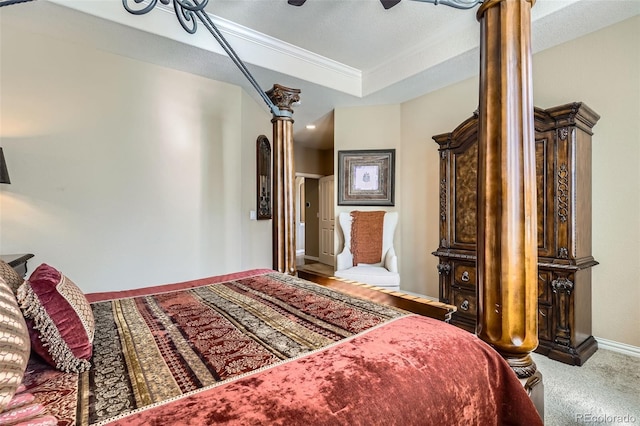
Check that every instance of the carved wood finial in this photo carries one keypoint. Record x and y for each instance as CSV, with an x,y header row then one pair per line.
x,y
563,133
283,97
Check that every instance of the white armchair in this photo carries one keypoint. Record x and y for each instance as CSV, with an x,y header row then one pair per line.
x,y
383,274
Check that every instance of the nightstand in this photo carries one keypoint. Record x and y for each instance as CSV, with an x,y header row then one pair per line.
x,y
17,262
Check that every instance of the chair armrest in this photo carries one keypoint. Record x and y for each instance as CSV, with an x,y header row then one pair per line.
x,y
391,260
344,260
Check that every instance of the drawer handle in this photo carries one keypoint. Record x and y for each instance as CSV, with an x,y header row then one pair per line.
x,y
464,305
465,276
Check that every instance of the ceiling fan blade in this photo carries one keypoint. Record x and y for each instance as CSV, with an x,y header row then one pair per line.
x,y
388,4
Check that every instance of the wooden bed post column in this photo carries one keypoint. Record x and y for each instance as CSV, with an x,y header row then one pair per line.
x,y
283,223
507,224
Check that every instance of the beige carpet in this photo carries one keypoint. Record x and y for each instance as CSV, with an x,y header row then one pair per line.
x,y
605,390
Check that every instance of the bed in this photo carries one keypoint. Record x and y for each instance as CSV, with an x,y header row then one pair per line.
x,y
398,369
261,347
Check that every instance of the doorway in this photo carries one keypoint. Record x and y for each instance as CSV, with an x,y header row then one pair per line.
x,y
307,208
311,208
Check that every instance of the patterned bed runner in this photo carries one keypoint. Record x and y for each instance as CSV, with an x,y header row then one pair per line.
x,y
153,348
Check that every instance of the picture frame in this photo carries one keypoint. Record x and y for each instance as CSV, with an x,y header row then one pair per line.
x,y
366,177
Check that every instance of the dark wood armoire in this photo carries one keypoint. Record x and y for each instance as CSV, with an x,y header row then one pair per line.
x,y
563,174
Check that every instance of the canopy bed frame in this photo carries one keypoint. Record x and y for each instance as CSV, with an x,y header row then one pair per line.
x,y
506,197
507,214
334,347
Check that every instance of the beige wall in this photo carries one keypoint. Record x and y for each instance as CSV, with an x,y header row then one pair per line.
x,y
601,69
125,174
255,234
422,118
313,161
374,127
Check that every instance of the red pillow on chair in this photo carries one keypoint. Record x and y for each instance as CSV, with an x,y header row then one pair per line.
x,y
59,318
366,236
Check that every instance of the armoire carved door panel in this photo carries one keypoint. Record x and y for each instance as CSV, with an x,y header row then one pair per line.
x,y
545,196
465,165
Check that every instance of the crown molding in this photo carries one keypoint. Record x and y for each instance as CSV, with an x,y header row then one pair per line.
x,y
549,21
251,46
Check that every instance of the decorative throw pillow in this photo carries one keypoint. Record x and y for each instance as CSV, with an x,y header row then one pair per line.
x,y
366,236
14,345
59,318
11,277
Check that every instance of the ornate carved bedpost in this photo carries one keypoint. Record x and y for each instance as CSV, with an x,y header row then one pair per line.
x,y
507,224
284,236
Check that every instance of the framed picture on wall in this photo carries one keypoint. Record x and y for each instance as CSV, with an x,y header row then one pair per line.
x,y
366,177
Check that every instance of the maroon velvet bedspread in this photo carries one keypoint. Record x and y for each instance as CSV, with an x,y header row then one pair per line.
x,y
402,373
376,365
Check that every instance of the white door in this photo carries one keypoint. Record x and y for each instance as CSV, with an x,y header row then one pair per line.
x,y
327,221
300,235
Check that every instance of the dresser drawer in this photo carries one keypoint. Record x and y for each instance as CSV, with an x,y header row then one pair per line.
x,y
544,286
465,301
545,322
464,274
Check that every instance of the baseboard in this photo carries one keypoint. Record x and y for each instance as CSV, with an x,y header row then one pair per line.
x,y
300,252
622,348
312,258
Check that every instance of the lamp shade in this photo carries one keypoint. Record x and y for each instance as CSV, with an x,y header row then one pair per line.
x,y
4,173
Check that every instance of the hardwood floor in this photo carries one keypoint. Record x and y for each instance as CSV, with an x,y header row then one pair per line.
x,y
317,268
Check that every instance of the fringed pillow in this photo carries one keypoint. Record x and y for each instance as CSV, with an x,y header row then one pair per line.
x,y
60,319
14,345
